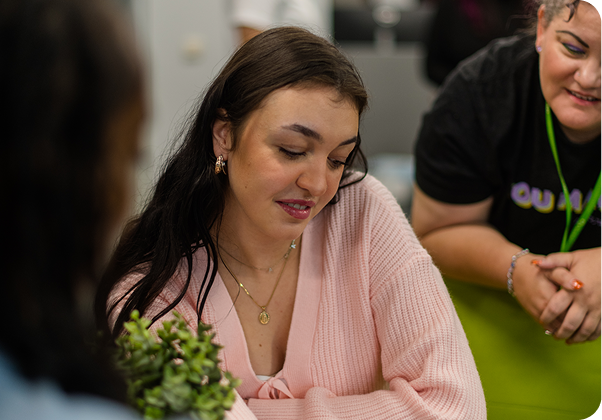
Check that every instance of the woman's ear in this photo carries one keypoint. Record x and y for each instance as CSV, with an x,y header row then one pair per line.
x,y
222,135
542,24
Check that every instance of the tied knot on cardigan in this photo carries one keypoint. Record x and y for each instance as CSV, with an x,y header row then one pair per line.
x,y
275,388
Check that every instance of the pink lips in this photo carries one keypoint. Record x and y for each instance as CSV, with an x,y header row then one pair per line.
x,y
299,209
582,101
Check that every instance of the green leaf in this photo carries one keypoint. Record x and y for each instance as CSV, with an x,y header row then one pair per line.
x,y
151,413
174,372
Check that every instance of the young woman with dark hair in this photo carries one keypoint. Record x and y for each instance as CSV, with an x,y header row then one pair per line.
x,y
71,107
189,199
306,268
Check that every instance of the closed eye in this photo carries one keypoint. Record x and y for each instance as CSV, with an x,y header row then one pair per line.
x,y
573,49
290,154
335,163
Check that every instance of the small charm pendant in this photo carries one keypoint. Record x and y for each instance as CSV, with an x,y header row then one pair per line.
x,y
264,317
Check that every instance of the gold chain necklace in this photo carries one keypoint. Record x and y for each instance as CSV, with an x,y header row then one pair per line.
x,y
264,316
270,269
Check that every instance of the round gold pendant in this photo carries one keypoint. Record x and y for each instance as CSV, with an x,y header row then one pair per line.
x,y
264,317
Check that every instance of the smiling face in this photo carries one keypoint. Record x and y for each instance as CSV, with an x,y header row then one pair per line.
x,y
288,160
569,68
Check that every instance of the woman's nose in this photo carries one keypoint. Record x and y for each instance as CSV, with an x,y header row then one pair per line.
x,y
314,178
588,74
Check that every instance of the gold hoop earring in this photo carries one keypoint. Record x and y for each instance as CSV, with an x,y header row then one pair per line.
x,y
220,165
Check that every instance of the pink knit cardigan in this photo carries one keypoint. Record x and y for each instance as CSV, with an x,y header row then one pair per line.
x,y
374,334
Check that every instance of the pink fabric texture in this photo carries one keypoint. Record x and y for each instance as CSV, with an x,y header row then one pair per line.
x,y
374,333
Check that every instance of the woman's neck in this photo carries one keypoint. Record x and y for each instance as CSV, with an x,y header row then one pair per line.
x,y
256,254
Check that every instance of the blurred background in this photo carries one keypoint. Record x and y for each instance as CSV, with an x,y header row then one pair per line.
x,y
186,42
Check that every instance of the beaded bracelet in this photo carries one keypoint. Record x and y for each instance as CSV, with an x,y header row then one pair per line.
x,y
511,269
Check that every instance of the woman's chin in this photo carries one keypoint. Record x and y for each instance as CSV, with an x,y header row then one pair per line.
x,y
581,132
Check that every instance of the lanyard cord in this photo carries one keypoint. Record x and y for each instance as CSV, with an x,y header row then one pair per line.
x,y
568,239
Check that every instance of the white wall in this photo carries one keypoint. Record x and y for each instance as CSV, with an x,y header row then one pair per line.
x,y
185,43
399,94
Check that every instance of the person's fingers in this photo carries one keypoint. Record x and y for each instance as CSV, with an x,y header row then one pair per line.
x,y
554,325
562,277
572,321
588,328
557,259
558,304
596,333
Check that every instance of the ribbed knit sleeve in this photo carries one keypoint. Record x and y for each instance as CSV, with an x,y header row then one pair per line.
x,y
385,315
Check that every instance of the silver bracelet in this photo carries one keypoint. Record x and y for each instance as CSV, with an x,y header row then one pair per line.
x,y
511,269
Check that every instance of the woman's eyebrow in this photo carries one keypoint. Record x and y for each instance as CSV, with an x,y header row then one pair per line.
x,y
351,140
582,42
308,132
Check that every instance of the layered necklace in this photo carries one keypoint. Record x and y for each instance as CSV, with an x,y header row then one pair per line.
x,y
269,269
264,316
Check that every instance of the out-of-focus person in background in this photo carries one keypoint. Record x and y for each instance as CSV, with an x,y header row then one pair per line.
x,y
262,226
508,196
462,27
251,17
71,96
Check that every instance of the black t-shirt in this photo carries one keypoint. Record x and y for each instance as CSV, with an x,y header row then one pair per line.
x,y
486,136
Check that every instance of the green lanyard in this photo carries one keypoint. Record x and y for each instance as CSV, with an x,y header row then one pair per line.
x,y
568,239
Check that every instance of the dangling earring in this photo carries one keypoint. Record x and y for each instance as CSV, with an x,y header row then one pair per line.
x,y
220,165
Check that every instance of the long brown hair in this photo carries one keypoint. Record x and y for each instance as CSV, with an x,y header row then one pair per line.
x,y
188,199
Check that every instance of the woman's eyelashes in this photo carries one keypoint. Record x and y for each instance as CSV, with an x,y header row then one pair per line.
x,y
573,50
334,163
291,154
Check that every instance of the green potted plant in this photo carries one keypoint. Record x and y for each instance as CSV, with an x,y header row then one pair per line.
x,y
176,373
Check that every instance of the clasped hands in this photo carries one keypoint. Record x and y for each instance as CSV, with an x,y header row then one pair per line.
x,y
546,287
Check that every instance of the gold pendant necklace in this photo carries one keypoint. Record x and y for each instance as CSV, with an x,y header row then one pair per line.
x,y
264,316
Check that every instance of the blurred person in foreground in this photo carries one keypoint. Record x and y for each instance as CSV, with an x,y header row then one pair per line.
x,y
71,93
508,197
